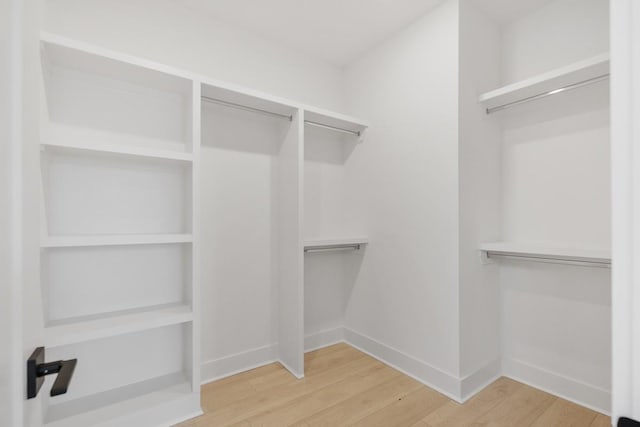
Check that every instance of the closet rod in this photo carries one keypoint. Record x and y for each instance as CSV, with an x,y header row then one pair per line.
x,y
246,108
550,260
549,93
354,246
334,128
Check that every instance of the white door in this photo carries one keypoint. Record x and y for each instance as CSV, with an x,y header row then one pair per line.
x,y
19,52
10,316
625,125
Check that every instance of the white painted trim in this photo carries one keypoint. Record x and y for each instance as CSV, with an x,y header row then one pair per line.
x,y
428,375
570,389
323,339
475,382
16,223
292,371
625,183
216,369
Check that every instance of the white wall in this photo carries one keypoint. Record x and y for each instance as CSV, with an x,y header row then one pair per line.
x,y
480,157
573,30
167,32
556,191
405,180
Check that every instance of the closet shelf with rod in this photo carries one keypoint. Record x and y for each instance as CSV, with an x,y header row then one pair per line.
x,y
259,104
570,77
353,243
546,254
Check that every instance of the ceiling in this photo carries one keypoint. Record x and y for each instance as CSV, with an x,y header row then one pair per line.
x,y
334,30
337,31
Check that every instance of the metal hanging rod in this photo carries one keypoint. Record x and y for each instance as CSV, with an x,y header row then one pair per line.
x,y
288,117
550,260
340,247
246,108
334,128
549,93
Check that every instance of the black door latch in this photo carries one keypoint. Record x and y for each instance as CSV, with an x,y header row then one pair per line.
x,y
37,369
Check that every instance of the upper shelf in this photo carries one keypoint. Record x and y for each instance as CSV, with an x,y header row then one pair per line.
x,y
80,56
314,116
555,81
544,253
125,150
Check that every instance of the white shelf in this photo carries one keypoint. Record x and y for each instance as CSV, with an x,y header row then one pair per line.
x,y
548,253
337,243
146,404
114,240
96,327
335,120
121,150
573,74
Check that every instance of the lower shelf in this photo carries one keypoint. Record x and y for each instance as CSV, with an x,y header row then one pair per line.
x,y
543,253
92,328
335,244
162,401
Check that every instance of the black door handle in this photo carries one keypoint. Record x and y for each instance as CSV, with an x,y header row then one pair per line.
x,y
37,370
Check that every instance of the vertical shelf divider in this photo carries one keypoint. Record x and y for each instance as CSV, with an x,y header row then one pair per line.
x,y
291,246
196,118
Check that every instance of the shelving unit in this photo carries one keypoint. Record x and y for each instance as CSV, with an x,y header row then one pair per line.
x,y
572,76
133,262
120,144
335,240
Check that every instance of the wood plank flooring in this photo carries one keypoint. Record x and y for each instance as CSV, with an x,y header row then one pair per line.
x,y
343,386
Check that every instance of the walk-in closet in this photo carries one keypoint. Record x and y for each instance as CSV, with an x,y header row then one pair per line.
x,y
320,213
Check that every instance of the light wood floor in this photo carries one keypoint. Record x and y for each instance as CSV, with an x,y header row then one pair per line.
x,y
343,386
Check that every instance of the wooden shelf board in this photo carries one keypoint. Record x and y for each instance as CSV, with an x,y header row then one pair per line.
x,y
143,404
538,250
551,80
121,150
114,240
79,330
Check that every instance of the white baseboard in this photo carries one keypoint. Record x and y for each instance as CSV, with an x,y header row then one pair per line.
x,y
586,395
474,383
430,376
298,375
458,389
223,367
323,339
